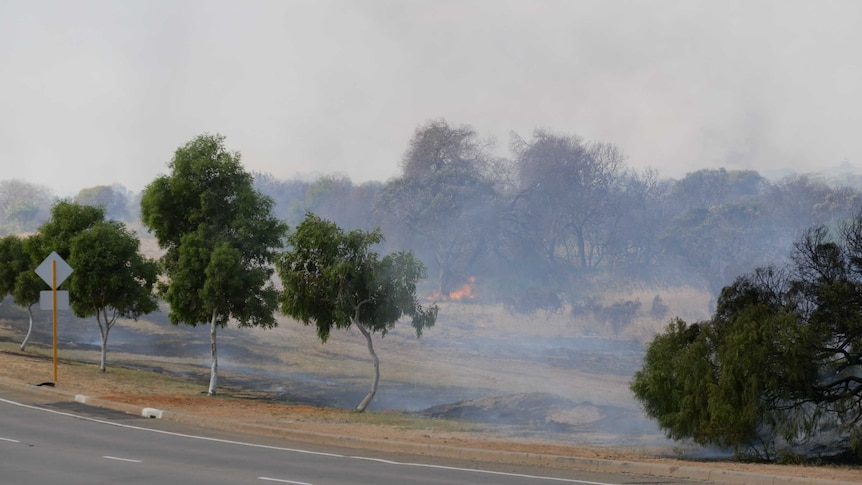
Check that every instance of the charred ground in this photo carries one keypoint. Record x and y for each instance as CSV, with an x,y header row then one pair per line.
x,y
537,377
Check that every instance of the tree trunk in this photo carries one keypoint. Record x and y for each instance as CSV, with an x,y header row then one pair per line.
x,y
367,399
103,332
104,359
29,329
214,367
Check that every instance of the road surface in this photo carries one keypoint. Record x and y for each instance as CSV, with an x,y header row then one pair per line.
x,y
69,443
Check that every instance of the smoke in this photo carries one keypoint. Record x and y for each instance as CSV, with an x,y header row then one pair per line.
x,y
523,376
337,87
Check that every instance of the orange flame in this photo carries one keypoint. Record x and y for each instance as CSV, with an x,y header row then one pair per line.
x,y
465,292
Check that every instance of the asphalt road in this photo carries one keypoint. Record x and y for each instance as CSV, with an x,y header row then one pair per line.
x,y
68,443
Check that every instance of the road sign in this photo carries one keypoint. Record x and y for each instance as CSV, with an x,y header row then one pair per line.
x,y
54,271
46,300
45,270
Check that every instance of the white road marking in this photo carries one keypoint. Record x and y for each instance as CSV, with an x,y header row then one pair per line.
x,y
121,459
299,450
487,472
267,479
9,440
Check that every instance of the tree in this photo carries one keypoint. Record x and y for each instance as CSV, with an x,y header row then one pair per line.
x,y
18,277
568,191
636,246
111,278
779,361
113,199
68,219
719,242
709,187
443,202
23,206
220,238
335,280
10,252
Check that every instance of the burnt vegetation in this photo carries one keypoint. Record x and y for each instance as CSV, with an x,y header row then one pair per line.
x,y
551,227
561,225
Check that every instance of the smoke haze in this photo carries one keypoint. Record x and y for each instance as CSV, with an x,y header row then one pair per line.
x,y
97,92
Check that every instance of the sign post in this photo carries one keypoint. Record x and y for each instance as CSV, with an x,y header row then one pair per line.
x,y
54,271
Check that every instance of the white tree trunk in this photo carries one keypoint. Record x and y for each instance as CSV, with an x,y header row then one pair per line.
x,y
29,329
367,399
214,366
103,332
104,359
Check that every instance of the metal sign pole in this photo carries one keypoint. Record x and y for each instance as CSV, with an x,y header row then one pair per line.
x,y
54,300
54,271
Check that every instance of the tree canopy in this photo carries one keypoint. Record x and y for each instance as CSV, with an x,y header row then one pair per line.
x,y
220,237
779,363
112,278
18,260
334,279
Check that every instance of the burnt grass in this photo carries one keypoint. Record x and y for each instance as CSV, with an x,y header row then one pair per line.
x,y
244,373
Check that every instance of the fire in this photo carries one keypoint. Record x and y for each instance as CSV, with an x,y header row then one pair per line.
x,y
465,292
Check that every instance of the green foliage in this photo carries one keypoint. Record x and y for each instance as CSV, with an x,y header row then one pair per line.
x,y
68,219
675,381
334,280
26,284
13,261
110,277
110,274
219,236
778,363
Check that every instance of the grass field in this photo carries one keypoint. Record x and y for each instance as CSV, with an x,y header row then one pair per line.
x,y
542,374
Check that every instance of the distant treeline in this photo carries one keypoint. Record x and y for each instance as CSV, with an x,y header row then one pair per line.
x,y
558,221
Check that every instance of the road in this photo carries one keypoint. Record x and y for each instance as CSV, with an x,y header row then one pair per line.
x,y
58,442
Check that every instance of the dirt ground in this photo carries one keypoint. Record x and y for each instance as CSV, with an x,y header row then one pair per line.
x,y
115,385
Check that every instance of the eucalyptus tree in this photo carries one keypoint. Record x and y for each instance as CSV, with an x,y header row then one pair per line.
x,y
111,278
10,253
334,279
18,261
68,219
219,237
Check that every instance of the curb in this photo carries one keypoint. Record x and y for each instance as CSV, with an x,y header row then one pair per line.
x,y
728,477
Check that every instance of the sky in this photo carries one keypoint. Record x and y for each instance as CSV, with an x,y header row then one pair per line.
x,y
96,92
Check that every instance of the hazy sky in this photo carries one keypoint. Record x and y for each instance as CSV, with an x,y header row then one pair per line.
x,y
97,92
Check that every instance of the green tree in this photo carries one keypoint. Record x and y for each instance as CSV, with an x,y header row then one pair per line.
x,y
335,280
68,219
111,278
11,248
778,363
220,238
17,275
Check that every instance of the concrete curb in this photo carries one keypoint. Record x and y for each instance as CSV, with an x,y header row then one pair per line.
x,y
442,451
